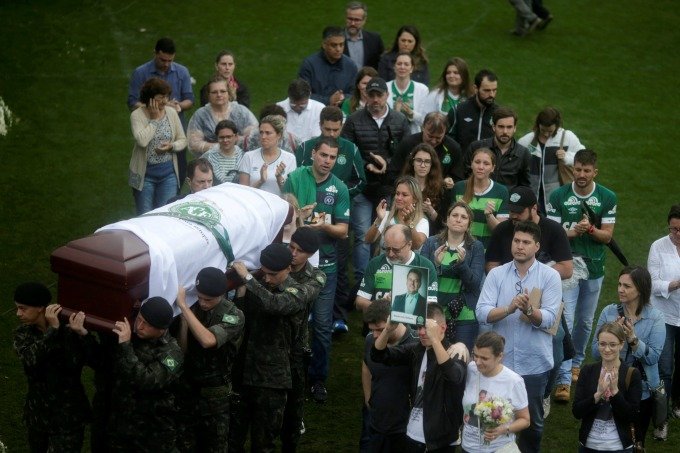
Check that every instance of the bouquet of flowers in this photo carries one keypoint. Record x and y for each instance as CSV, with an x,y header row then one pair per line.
x,y
492,413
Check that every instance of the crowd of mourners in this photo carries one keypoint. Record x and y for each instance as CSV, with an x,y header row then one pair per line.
x,y
504,241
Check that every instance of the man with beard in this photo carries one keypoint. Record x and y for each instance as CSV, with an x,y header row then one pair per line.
x,y
362,46
589,242
512,159
528,347
471,119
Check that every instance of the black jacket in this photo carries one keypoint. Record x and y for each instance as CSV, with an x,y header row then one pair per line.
x,y
442,391
373,48
512,168
624,404
468,122
449,153
362,130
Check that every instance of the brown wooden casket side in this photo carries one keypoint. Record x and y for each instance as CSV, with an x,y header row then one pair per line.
x,y
105,275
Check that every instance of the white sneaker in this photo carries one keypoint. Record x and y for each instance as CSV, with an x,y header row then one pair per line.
x,y
676,411
546,407
661,433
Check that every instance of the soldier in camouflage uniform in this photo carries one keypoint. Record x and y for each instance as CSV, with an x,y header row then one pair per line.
x,y
263,372
303,244
145,369
56,408
210,335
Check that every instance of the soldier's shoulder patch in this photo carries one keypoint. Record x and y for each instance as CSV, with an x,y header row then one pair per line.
x,y
170,363
292,290
321,279
230,319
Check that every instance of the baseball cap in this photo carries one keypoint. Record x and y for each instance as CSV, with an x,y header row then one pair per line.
x,y
521,197
376,84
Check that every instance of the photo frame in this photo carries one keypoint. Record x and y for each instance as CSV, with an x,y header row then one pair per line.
x,y
409,294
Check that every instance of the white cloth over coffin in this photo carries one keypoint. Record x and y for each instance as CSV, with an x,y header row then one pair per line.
x,y
179,249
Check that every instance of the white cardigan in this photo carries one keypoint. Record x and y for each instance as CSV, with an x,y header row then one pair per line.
x,y
663,264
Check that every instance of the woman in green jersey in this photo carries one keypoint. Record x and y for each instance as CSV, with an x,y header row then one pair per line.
x,y
487,198
453,87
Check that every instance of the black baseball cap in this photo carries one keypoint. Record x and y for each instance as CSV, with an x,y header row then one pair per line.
x,y
376,84
521,197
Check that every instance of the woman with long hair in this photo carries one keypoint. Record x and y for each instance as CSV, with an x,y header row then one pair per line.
x,y
487,198
268,167
459,260
423,164
453,87
159,136
407,209
645,333
664,267
406,40
405,95
359,97
607,399
225,65
201,129
487,378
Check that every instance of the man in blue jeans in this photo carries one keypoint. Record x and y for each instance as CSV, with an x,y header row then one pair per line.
x,y
569,206
504,303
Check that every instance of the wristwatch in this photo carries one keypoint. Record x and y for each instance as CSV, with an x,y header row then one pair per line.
x,y
248,278
529,311
634,342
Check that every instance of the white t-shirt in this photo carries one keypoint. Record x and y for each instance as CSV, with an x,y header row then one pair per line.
x,y
252,162
506,384
603,435
423,226
415,429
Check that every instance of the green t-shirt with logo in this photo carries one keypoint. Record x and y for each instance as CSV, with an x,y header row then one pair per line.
x,y
566,208
497,194
377,279
332,202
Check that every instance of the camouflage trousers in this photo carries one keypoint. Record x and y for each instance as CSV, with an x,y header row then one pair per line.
x,y
203,421
40,441
139,435
293,413
260,410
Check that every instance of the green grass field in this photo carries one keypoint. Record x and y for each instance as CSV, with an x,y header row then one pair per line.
x,y
64,68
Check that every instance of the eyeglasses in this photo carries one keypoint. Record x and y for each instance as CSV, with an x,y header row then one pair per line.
x,y
394,250
604,345
518,287
422,162
225,137
673,230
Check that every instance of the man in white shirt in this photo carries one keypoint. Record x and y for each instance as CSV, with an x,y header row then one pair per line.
x,y
302,113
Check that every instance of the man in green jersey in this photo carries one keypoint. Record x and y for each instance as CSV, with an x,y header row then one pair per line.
x,y
568,207
377,281
349,167
325,206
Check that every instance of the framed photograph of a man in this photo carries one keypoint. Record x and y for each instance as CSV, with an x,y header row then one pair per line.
x,y
409,294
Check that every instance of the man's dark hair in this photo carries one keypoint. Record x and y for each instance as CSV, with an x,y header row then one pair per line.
x,y
674,213
378,311
201,163
299,89
330,113
226,124
529,228
272,109
485,74
586,157
435,122
165,45
418,272
503,112
331,32
547,117
328,141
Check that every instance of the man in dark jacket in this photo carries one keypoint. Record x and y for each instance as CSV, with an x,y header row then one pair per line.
x,y
362,46
512,159
438,383
471,120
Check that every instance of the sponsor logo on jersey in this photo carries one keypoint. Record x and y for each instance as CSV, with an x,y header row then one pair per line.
x,y
329,199
572,201
332,189
385,268
593,201
612,211
573,210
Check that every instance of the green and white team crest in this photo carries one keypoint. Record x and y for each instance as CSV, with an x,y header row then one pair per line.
x,y
197,210
342,160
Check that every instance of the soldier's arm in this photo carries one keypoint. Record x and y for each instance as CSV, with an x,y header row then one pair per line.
x,y
231,326
153,376
204,336
286,303
33,350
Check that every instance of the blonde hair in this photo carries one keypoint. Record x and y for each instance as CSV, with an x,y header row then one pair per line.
x,y
413,186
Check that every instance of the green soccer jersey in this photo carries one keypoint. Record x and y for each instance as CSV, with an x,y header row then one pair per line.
x,y
566,208
349,166
332,202
497,194
449,287
377,279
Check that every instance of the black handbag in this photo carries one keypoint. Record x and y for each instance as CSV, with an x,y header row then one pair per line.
x,y
567,342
